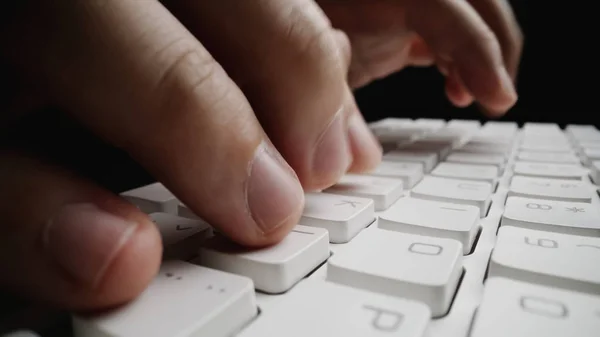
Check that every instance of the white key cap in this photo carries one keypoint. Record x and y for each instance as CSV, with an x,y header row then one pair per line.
x,y
487,173
441,148
410,173
152,198
185,212
183,300
317,308
473,147
410,266
469,124
477,158
518,309
22,333
551,259
342,216
595,172
551,148
274,269
548,157
432,123
476,193
427,159
431,218
180,236
383,191
551,189
552,171
553,216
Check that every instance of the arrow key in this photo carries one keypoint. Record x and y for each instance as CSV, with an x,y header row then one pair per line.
x,y
342,216
181,236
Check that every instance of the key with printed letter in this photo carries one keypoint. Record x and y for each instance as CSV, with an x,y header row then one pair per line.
x,y
342,216
274,269
476,193
180,236
519,309
317,308
383,191
552,259
184,300
411,266
551,189
554,216
432,218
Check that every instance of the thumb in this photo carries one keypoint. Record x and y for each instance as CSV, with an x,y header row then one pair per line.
x,y
68,242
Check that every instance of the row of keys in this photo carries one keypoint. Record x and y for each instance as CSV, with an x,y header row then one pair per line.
x,y
391,277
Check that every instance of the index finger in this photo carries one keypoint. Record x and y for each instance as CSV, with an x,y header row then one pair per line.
x,y
458,35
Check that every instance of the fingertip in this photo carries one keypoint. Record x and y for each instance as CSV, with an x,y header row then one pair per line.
x,y
132,269
367,152
457,92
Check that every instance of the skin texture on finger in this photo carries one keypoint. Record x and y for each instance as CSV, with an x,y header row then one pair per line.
x,y
499,16
454,32
291,65
134,75
67,242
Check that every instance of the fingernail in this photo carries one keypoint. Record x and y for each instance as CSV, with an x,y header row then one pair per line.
x,y
332,155
507,84
273,193
84,240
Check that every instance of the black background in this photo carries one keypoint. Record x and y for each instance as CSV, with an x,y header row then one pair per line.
x,y
558,83
558,78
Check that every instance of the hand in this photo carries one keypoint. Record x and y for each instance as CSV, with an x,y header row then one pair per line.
x,y
477,44
235,106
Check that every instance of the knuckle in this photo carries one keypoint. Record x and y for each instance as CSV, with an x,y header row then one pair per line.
x,y
188,71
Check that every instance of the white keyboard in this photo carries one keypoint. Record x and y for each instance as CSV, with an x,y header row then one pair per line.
x,y
465,230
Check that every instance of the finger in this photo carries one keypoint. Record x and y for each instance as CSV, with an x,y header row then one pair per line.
x,y
420,54
500,18
456,33
456,91
68,242
135,76
293,71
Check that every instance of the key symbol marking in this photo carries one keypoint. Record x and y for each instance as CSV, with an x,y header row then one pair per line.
x,y
346,202
180,228
575,209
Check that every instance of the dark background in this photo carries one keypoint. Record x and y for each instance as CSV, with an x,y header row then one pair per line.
x,y
558,79
558,82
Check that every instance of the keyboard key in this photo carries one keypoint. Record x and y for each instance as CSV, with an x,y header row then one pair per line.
x,y
487,173
552,171
595,172
415,267
532,147
342,216
440,148
180,236
477,158
548,157
431,218
551,259
22,333
317,308
383,191
409,173
274,269
484,148
183,300
153,198
551,189
427,159
518,309
455,191
431,123
553,216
